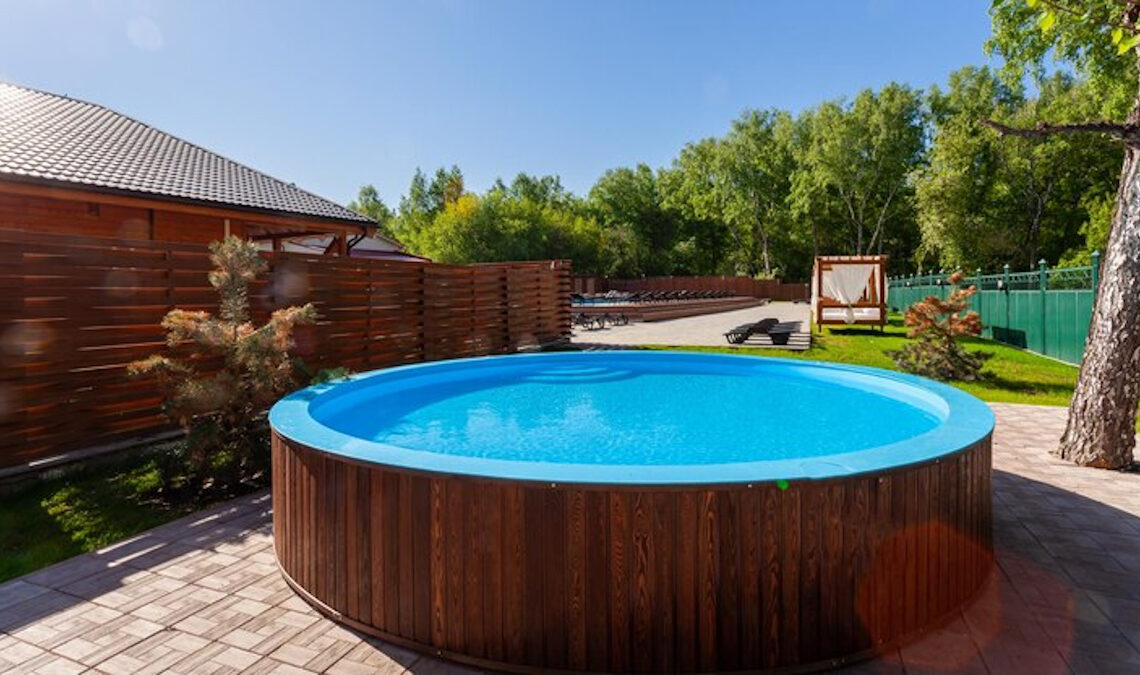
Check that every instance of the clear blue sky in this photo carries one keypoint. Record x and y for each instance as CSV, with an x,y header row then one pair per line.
x,y
333,95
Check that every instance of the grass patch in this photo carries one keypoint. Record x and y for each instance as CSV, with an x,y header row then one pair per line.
x,y
1012,375
57,518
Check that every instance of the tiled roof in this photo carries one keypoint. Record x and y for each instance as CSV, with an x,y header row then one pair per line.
x,y
49,137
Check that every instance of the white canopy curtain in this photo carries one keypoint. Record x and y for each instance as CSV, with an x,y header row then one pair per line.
x,y
847,283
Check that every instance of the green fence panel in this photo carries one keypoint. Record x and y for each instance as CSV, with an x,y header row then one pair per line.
x,y
1054,322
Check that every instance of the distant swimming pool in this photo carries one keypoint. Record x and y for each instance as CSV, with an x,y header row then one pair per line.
x,y
596,302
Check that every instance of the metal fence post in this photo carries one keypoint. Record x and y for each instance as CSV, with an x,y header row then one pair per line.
x,y
1095,274
1005,287
1043,284
978,304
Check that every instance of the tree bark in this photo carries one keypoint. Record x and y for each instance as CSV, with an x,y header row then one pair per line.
x,y
1101,430
764,249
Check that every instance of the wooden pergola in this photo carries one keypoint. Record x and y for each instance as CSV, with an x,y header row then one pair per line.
x,y
849,289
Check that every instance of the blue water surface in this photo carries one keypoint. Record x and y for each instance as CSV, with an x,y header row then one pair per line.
x,y
631,413
635,418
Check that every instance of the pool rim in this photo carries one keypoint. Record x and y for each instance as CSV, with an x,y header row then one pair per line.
x,y
968,421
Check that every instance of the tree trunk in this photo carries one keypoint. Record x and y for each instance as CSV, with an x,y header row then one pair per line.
x,y
1101,431
764,251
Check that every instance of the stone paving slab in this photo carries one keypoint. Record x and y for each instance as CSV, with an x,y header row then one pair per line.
x,y
203,595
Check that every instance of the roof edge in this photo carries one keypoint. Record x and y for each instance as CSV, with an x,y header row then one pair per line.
x,y
367,225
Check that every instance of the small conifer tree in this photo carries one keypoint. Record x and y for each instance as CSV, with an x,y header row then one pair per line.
x,y
936,324
225,372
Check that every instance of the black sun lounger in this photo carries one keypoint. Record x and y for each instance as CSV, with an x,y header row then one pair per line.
x,y
739,334
781,332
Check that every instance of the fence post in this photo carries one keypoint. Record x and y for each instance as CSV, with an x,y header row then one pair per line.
x,y
1095,274
1005,287
1042,285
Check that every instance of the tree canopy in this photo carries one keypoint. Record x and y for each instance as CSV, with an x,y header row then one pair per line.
x,y
897,170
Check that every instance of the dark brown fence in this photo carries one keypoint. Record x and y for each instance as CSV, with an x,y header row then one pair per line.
x,y
75,310
747,286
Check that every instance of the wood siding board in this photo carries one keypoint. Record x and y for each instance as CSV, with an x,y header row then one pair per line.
x,y
680,579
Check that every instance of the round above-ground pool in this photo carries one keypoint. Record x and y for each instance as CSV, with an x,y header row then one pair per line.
x,y
634,511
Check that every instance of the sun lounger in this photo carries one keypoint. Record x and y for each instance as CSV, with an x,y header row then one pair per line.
x,y
739,334
781,332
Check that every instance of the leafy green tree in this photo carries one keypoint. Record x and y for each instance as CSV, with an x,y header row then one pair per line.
x,y
691,188
1099,38
984,202
628,203
423,202
860,156
961,206
756,165
533,218
742,181
1099,207
368,203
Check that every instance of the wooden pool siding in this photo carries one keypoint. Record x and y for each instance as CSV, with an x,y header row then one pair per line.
x,y
539,576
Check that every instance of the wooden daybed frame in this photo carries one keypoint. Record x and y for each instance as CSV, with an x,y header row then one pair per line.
x,y
870,309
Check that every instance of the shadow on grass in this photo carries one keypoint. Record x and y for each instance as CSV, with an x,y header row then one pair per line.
x,y
1030,387
862,331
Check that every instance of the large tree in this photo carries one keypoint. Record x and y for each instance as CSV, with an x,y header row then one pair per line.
x,y
532,218
756,164
628,204
741,180
369,203
861,156
1100,39
984,201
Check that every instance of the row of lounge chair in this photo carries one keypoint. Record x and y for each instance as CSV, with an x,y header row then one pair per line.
x,y
778,332
648,296
598,321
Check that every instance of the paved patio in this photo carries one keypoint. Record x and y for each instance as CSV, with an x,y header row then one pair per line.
x,y
704,330
202,594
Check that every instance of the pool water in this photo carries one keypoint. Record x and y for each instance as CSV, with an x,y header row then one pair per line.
x,y
634,411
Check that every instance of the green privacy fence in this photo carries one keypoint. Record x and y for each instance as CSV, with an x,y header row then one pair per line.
x,y
1045,311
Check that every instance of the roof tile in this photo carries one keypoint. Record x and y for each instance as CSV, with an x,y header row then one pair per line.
x,y
58,138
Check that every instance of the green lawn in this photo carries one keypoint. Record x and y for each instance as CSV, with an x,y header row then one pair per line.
x,y
58,518
1014,376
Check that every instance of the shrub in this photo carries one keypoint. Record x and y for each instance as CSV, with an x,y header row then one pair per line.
x,y
935,325
225,374
327,375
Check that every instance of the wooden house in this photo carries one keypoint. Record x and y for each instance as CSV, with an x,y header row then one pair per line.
x,y
72,167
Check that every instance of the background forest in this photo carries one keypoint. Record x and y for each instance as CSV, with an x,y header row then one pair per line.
x,y
913,174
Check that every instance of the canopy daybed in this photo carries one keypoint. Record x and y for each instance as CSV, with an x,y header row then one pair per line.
x,y
849,290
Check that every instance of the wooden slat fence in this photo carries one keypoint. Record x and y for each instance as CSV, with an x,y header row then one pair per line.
x,y
75,310
747,286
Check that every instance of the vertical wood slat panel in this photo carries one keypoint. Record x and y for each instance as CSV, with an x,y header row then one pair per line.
x,y
472,583
91,305
598,595
674,580
577,565
642,582
491,506
618,545
688,617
